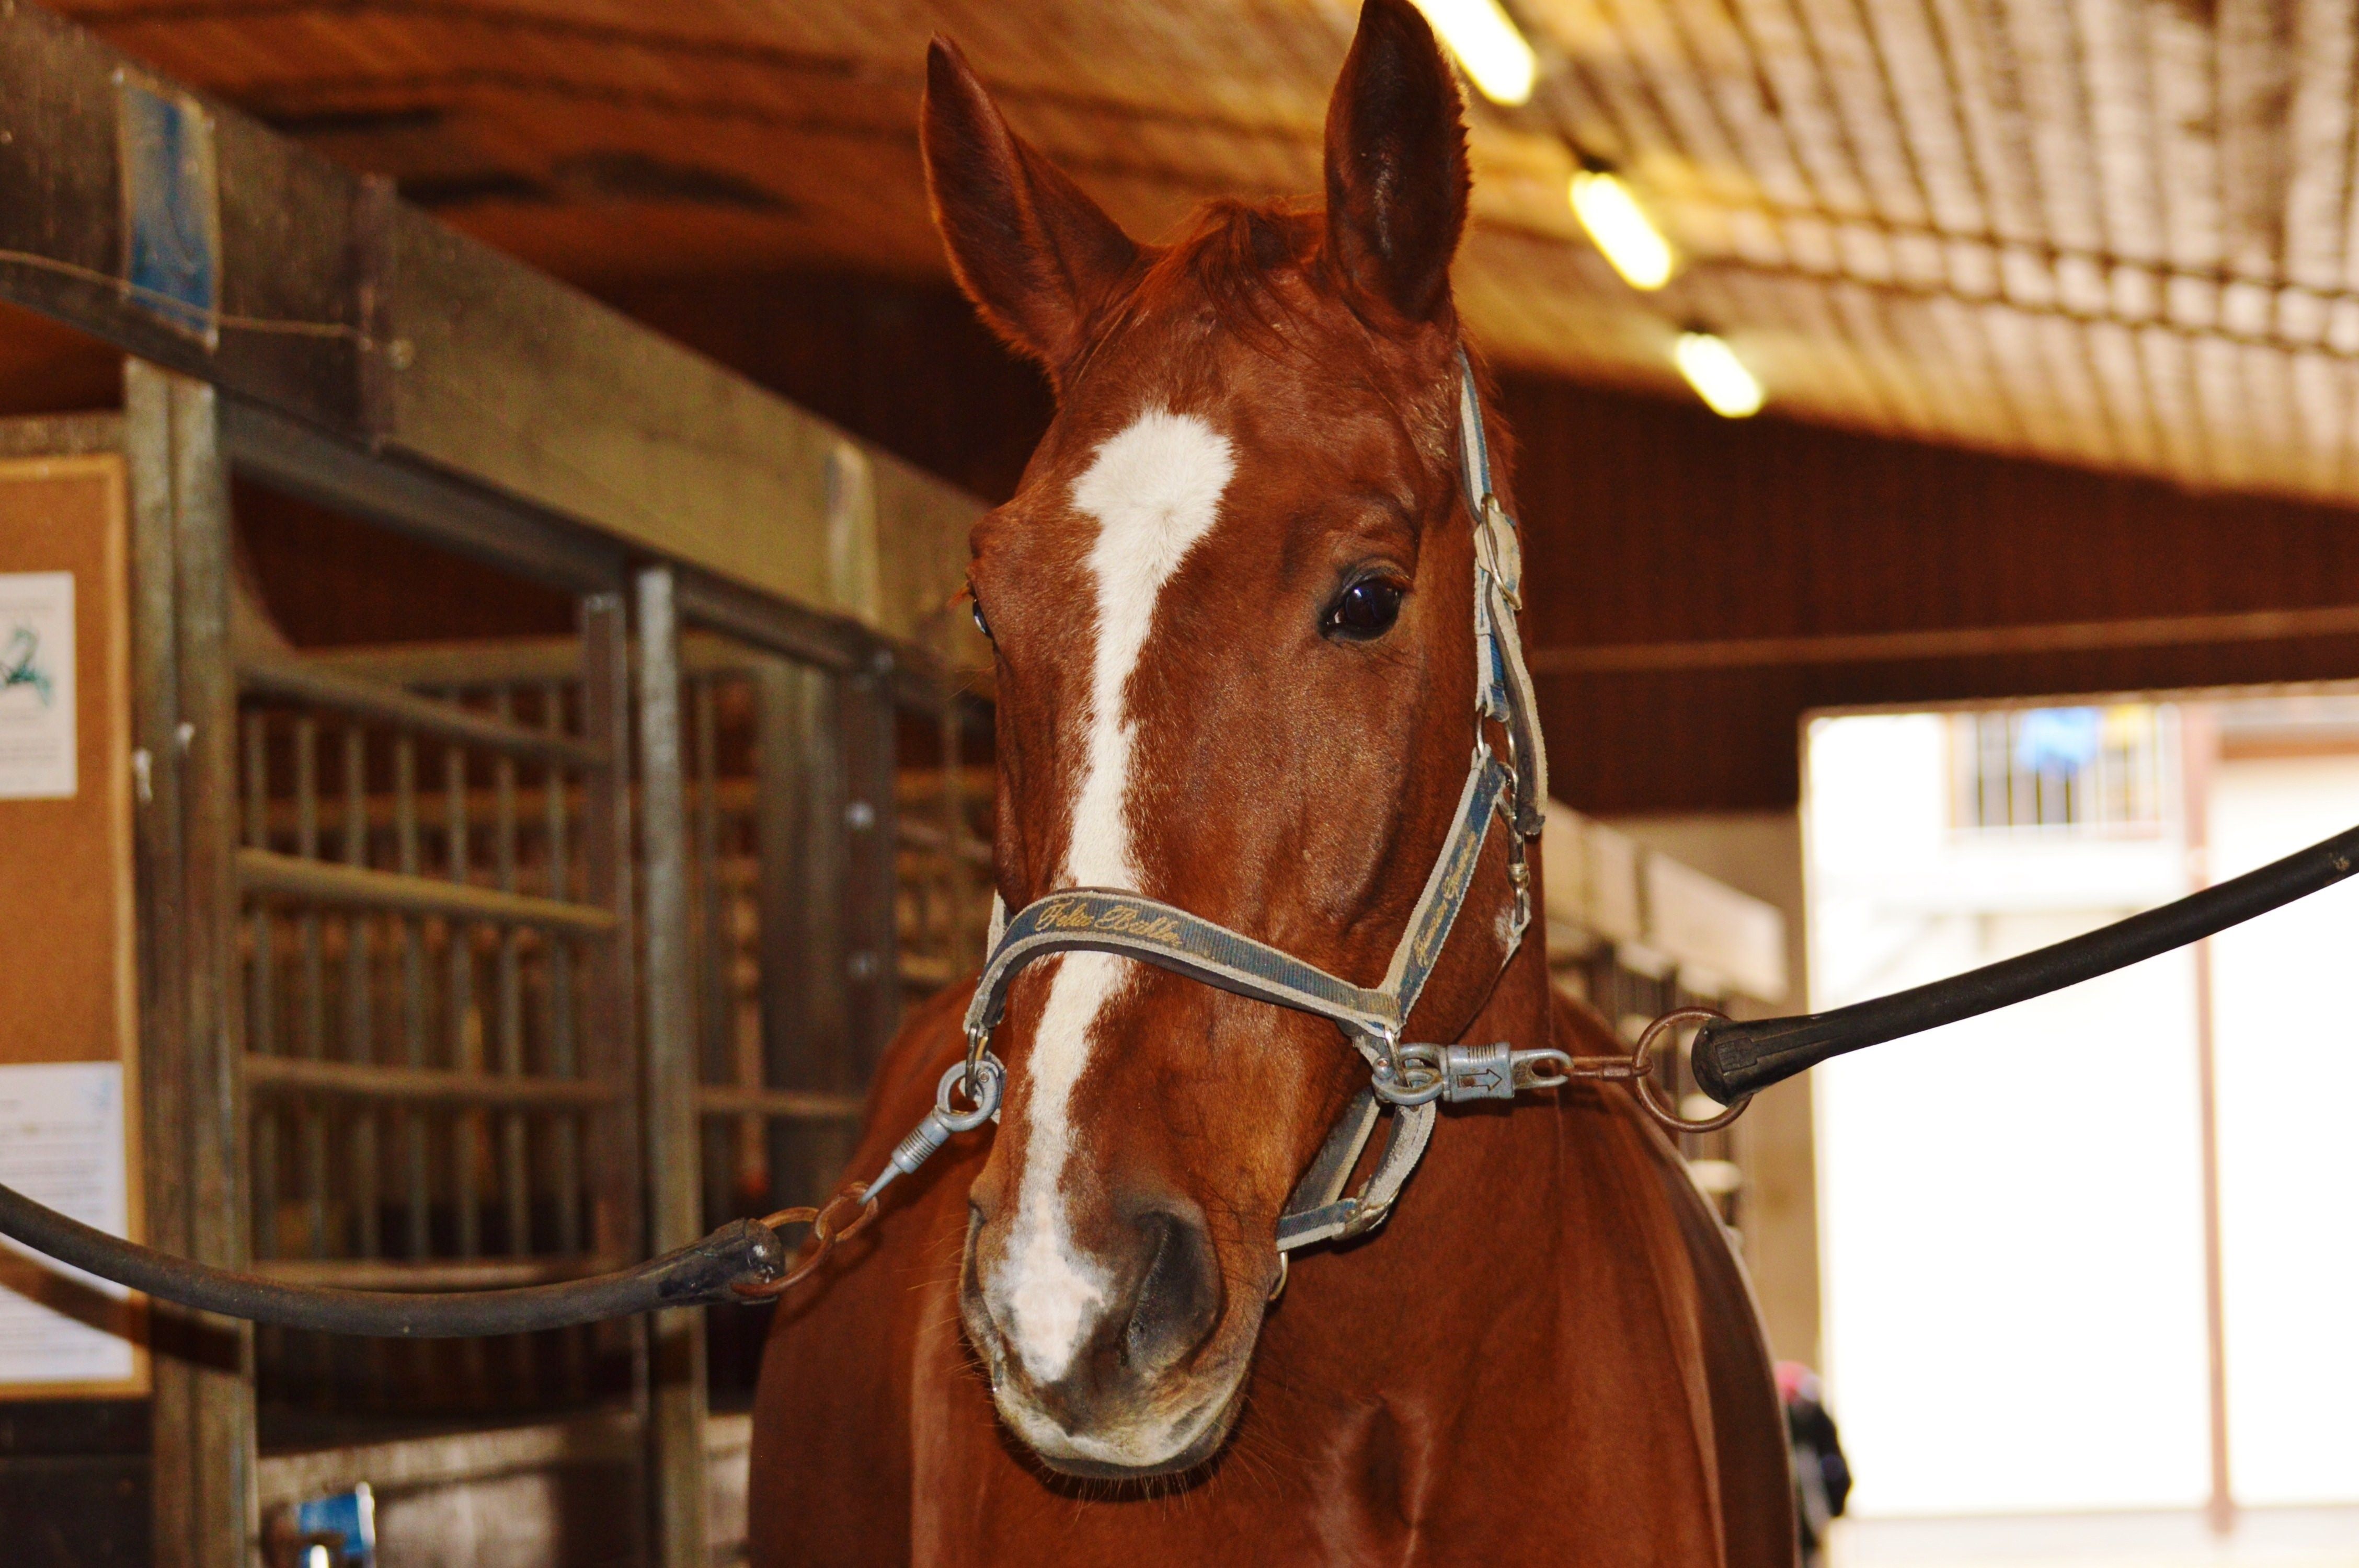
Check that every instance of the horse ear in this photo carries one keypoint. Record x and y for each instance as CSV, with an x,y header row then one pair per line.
x,y
1038,258
1396,179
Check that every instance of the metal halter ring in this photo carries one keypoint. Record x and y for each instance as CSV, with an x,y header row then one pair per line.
x,y
1650,1094
1420,1080
988,1081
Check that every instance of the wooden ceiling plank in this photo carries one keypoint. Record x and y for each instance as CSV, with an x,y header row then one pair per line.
x,y
1992,118
2039,38
2274,418
2319,386
1712,230
2048,418
1805,309
2180,64
2322,194
2064,356
2005,349
1733,79
2118,117
2110,350
2218,382
1645,36
2096,164
2112,361
1775,32
1894,373
1843,45
1900,325
1570,97
1967,407
1924,105
2169,383
1617,85
1965,351
2346,462
1698,68
2255,88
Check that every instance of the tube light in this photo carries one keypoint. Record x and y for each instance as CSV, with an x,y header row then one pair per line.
x,y
1718,376
1621,229
1487,44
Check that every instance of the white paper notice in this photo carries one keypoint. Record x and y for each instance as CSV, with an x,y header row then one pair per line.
x,y
61,1144
37,686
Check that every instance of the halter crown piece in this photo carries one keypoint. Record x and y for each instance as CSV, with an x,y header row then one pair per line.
x,y
1408,1077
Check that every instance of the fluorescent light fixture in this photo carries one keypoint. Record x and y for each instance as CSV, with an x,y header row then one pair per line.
x,y
1486,43
1621,229
1718,376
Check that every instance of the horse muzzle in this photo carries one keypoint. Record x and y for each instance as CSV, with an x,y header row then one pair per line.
x,y
1125,1359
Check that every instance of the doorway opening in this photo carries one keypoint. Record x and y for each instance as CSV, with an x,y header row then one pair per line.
x,y
2090,1255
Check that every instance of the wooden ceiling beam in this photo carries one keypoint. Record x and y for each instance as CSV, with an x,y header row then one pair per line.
x,y
2108,232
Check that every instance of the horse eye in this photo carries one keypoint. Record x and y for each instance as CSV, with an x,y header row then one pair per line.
x,y
980,623
1367,609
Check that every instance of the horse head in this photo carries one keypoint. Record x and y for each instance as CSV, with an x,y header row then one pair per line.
x,y
1230,604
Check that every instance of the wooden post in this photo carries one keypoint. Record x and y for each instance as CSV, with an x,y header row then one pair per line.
x,y
609,1034
205,1509
677,1394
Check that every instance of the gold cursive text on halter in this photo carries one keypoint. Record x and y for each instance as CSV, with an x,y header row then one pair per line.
x,y
1077,914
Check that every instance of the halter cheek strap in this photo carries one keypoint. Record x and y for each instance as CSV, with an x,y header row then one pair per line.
x,y
1409,1078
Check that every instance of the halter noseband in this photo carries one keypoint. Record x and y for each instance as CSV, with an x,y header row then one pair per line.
x,y
1410,1078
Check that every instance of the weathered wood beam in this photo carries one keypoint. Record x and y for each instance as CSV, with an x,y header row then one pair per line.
x,y
345,312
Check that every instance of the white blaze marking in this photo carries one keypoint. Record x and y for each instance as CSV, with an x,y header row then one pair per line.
x,y
1154,491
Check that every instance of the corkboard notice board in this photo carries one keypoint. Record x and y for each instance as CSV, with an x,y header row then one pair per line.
x,y
68,1060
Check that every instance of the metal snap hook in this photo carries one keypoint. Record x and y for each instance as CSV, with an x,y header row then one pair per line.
x,y
990,1080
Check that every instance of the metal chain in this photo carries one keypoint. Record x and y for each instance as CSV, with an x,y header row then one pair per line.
x,y
827,1230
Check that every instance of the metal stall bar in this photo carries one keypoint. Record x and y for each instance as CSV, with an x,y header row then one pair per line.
x,y
610,1031
872,814
676,1392
273,882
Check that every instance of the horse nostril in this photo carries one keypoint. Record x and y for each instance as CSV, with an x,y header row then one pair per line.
x,y
1179,1297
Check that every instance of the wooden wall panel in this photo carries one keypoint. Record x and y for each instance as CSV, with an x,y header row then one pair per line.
x,y
902,363
1656,522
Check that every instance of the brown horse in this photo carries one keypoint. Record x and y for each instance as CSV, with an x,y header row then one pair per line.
x,y
1236,673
